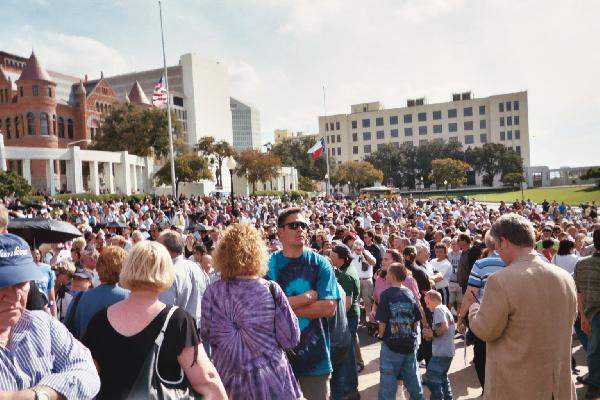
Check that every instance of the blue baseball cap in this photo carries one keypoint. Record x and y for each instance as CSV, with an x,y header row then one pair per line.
x,y
16,264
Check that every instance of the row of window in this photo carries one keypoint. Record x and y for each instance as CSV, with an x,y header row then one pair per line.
x,y
510,105
510,120
35,91
47,127
4,97
423,130
103,107
509,135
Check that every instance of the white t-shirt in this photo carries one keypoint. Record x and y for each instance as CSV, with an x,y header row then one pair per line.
x,y
566,262
357,262
444,267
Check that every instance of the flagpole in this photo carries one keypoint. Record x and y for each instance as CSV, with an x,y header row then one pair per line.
x,y
162,36
328,181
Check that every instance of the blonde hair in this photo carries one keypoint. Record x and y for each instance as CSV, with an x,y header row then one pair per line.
x,y
110,263
118,240
147,266
136,236
434,295
65,267
240,251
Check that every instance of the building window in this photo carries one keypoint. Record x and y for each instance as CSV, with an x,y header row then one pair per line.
x,y
61,127
422,116
326,126
332,139
509,121
44,124
21,91
422,130
394,120
516,105
70,128
437,128
482,124
366,135
366,123
483,138
407,131
394,133
516,120
502,136
501,107
339,138
331,126
518,150
354,125
437,115
354,149
17,127
54,124
517,134
481,110
468,111
8,134
508,106
509,135
367,148
339,151
30,124
452,127
501,120
452,113
380,135
49,91
469,139
380,146
35,90
408,118
379,121
355,137
337,125
468,125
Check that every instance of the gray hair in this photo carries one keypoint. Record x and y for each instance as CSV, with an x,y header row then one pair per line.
x,y
514,228
421,246
172,240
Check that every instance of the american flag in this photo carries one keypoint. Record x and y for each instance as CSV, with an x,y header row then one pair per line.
x,y
159,97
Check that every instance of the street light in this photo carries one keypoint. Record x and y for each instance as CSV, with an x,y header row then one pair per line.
x,y
231,164
446,185
422,187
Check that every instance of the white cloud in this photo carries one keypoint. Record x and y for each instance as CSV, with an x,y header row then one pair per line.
x,y
245,81
310,16
420,10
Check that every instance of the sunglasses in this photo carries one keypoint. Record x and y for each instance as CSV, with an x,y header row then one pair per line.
x,y
296,224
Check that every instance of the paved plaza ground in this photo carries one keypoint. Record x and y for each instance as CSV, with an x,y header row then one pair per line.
x,y
462,375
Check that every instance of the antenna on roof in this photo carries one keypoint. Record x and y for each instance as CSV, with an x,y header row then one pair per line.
x,y
101,74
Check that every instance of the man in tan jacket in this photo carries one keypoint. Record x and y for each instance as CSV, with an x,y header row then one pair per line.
x,y
526,318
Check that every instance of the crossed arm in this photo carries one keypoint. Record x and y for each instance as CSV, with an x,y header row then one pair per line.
x,y
307,305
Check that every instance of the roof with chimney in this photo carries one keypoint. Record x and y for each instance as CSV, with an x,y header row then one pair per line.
x,y
137,95
34,71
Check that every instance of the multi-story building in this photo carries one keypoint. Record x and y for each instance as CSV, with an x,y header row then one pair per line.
x,y
245,123
279,135
199,92
471,121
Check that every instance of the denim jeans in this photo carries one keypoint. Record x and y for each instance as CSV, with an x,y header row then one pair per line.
x,y
392,365
437,378
593,352
344,379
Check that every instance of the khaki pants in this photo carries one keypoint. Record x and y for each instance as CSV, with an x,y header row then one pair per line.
x,y
315,387
366,293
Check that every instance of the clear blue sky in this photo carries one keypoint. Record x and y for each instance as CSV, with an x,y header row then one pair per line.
x,y
281,52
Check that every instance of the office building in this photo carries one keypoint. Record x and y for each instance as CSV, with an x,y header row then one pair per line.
x,y
471,121
245,124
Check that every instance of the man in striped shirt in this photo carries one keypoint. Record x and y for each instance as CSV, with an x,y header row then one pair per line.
x,y
39,358
481,271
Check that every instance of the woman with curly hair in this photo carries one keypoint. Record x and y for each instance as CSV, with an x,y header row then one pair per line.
x,y
248,321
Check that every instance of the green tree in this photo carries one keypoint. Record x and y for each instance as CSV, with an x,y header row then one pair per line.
x,y
512,179
293,152
139,130
13,185
592,173
392,161
219,150
257,167
454,172
492,159
359,173
306,184
188,168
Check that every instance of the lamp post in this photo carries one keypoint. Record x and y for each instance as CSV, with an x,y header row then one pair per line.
x,y
231,164
446,186
422,187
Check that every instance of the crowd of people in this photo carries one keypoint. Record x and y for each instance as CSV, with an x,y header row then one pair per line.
x,y
264,300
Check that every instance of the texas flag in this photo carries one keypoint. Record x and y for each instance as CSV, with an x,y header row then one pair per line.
x,y
317,149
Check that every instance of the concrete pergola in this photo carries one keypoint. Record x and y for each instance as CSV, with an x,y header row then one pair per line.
x,y
123,172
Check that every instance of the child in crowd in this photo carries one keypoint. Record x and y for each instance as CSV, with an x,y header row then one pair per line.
x,y
398,315
442,332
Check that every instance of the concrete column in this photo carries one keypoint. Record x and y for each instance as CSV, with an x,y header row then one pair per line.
x,y
74,171
27,170
94,179
125,183
50,182
148,170
2,154
108,173
134,178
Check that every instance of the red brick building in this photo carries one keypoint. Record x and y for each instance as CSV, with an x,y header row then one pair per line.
x,y
40,108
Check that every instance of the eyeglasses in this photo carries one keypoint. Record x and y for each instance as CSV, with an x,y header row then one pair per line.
x,y
296,224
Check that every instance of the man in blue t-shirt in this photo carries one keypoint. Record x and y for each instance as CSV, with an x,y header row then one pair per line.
x,y
309,281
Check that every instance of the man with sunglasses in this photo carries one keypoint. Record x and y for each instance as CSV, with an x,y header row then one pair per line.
x,y
309,281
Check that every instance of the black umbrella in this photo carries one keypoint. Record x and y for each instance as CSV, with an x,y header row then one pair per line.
x,y
41,230
57,204
116,224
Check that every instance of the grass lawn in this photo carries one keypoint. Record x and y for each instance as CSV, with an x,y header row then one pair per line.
x,y
573,195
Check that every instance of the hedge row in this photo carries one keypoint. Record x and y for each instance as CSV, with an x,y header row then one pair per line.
x,y
102,198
